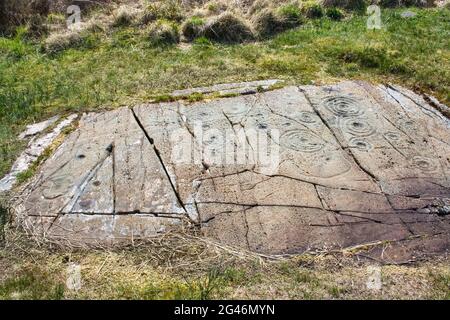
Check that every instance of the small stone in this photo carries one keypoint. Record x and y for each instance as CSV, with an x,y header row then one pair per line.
x,y
408,14
444,211
36,128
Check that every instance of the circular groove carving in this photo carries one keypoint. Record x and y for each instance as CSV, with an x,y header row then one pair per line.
x,y
358,127
424,163
301,140
307,117
360,143
235,110
392,136
343,106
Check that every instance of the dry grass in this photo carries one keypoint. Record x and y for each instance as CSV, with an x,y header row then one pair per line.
x,y
63,40
227,27
269,22
185,266
124,16
171,10
225,21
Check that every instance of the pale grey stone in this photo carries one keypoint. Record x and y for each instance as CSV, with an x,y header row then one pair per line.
x,y
408,14
36,128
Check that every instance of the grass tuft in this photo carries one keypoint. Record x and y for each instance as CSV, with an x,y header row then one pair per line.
x,y
36,26
58,42
290,15
257,6
269,21
196,96
163,33
192,28
123,16
313,11
334,14
163,10
216,7
227,28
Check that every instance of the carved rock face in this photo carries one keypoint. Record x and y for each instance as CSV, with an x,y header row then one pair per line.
x,y
349,164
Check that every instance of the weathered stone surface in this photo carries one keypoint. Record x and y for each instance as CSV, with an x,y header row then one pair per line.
x,y
98,195
108,166
34,129
36,147
294,169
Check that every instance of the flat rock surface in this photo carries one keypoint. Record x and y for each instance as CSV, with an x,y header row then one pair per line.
x,y
285,171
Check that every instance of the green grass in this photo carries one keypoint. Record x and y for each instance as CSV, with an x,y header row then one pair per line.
x,y
32,284
123,68
25,175
201,288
